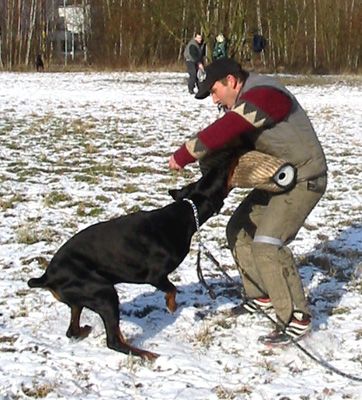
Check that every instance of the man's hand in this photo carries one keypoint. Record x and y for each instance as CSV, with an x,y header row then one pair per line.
x,y
172,164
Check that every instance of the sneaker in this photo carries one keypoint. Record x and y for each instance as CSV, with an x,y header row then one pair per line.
x,y
275,338
299,325
257,305
252,306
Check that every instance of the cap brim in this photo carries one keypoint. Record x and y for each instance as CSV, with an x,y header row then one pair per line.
x,y
202,94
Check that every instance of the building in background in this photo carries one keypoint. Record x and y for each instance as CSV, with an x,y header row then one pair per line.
x,y
68,37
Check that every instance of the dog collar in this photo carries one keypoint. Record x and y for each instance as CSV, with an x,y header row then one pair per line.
x,y
196,214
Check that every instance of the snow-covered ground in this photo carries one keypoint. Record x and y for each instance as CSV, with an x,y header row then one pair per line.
x,y
78,148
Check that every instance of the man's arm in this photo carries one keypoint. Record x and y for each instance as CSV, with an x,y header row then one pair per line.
x,y
260,108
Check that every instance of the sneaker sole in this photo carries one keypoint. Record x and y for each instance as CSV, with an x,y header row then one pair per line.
x,y
290,341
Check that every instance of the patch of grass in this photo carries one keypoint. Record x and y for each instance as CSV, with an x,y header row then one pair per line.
x,y
224,394
28,234
90,148
38,391
22,292
88,209
340,311
228,394
107,169
56,197
8,339
225,323
42,261
132,209
204,336
130,188
103,198
11,202
141,169
359,334
14,146
86,178
81,127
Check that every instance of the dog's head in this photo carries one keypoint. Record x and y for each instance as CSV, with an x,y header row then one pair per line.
x,y
183,193
212,187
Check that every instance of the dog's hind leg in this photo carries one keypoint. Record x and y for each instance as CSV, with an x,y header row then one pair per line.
x,y
75,330
107,307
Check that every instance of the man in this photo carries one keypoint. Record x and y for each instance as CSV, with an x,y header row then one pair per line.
x,y
263,115
194,56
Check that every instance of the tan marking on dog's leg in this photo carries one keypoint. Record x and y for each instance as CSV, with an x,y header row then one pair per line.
x,y
55,294
171,301
146,355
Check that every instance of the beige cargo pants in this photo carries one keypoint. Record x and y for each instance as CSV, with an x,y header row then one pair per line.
x,y
258,232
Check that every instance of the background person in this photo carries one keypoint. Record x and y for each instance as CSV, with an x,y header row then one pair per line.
x,y
220,47
263,114
194,54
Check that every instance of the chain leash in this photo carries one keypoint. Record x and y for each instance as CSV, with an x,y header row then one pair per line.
x,y
212,294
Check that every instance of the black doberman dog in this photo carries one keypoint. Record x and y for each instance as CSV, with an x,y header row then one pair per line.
x,y
143,247
39,64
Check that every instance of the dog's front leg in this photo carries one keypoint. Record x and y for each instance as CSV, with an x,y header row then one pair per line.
x,y
166,286
170,298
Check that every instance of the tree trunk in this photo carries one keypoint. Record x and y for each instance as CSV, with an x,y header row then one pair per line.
x,y
350,24
1,56
285,33
260,29
315,35
306,50
31,30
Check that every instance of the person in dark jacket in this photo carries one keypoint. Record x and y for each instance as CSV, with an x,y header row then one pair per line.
x,y
220,47
194,57
264,114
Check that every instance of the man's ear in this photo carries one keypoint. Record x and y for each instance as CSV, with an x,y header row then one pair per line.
x,y
233,81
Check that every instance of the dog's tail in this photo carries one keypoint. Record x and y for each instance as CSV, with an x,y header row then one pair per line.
x,y
38,282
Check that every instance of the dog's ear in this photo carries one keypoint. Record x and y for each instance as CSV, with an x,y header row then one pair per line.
x,y
173,193
179,194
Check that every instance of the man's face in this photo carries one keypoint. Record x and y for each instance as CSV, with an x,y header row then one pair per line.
x,y
198,38
225,92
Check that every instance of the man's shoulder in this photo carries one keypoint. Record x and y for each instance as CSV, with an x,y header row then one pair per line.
x,y
256,80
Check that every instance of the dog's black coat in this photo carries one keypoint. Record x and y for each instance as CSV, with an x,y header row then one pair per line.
x,y
39,64
143,247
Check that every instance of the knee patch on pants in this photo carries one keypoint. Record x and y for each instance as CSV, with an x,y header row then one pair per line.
x,y
281,279
273,264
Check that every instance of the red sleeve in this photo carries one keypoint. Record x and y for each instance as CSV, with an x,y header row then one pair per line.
x,y
183,157
223,130
259,108
273,102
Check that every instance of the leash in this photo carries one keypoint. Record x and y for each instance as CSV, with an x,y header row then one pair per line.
x,y
198,238
208,254
320,361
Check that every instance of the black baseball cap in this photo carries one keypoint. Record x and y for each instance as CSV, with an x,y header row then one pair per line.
x,y
216,71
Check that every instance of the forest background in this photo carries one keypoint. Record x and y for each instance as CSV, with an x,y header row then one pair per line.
x,y
306,36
